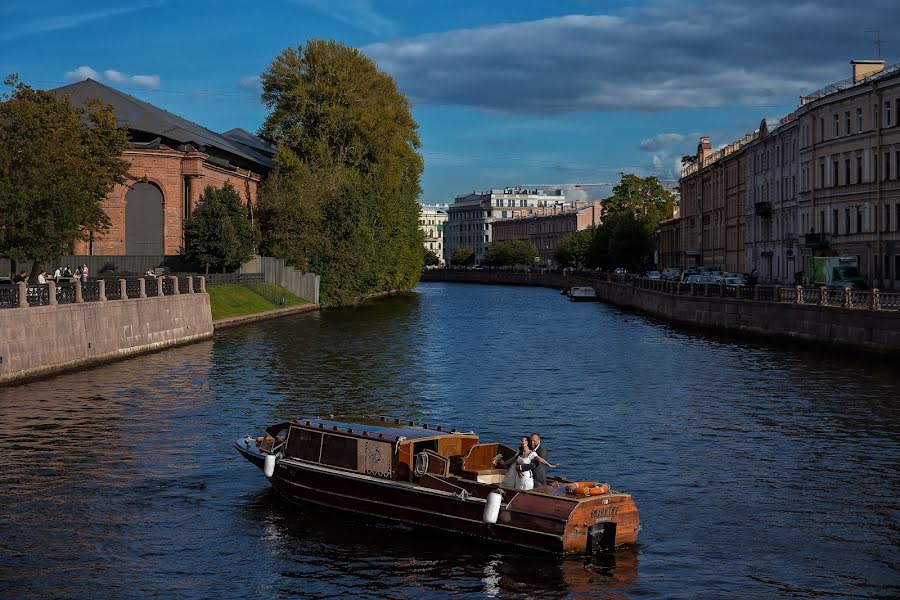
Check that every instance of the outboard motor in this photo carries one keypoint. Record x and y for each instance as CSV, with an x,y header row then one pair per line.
x,y
492,507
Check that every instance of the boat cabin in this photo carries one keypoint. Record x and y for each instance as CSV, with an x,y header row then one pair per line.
x,y
390,449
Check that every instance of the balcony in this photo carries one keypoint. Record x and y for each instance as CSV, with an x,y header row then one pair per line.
x,y
815,240
763,209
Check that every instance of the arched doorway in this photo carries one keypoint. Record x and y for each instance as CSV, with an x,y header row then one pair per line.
x,y
144,220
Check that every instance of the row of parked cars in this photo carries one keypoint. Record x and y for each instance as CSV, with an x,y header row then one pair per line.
x,y
700,275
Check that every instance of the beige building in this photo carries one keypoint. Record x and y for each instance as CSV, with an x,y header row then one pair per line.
x,y
771,201
431,221
849,200
546,230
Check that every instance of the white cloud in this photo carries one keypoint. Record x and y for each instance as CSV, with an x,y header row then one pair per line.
x,y
251,83
16,30
356,13
661,55
81,73
663,141
150,82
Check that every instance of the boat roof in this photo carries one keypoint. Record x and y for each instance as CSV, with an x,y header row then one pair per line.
x,y
382,428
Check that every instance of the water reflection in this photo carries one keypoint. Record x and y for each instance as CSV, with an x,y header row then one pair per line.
x,y
759,471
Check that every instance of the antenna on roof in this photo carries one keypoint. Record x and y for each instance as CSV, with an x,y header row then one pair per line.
x,y
877,41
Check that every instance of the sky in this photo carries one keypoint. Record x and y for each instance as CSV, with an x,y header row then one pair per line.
x,y
506,93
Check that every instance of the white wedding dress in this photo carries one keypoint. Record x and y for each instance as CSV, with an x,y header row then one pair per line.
x,y
523,480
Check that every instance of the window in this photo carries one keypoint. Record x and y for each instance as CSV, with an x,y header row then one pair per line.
x,y
303,444
897,266
822,173
897,219
859,169
847,220
858,220
877,266
821,221
859,120
834,221
846,171
834,173
837,125
847,121
887,218
339,451
887,114
887,166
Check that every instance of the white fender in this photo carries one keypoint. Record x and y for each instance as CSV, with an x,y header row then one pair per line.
x,y
269,465
492,507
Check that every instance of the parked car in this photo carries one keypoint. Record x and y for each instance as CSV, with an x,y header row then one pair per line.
x,y
654,275
672,274
621,271
734,281
695,278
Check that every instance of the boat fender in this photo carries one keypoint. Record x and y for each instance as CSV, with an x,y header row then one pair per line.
x,y
492,507
588,488
269,465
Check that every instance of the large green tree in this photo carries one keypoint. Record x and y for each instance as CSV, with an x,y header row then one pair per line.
x,y
574,248
643,197
509,253
336,118
57,164
219,233
463,256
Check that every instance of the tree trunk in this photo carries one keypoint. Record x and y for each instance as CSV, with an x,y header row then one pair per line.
x,y
36,268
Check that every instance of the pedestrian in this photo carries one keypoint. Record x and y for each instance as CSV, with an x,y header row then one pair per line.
x,y
67,272
84,273
42,277
57,273
22,277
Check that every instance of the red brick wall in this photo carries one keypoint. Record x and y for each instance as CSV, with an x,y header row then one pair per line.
x,y
166,169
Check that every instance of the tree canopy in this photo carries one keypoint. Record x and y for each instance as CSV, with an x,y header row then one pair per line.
x,y
463,256
644,198
574,248
344,199
431,258
509,253
58,162
219,233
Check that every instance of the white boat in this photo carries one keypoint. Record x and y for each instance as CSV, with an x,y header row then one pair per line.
x,y
582,294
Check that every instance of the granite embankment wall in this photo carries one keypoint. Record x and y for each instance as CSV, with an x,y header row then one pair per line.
x,y
877,331
41,340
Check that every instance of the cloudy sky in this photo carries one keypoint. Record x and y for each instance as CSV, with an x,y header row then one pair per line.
x,y
506,93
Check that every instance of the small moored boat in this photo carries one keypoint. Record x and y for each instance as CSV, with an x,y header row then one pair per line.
x,y
434,477
582,294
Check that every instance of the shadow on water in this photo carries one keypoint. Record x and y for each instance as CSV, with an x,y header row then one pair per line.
x,y
353,553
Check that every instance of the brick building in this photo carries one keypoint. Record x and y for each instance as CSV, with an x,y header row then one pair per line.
x,y
172,161
545,231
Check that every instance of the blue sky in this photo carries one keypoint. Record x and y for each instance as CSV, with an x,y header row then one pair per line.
x,y
506,93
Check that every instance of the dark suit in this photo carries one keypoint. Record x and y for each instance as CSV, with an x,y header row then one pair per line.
x,y
538,469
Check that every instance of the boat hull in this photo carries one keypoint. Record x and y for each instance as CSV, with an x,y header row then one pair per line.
x,y
527,519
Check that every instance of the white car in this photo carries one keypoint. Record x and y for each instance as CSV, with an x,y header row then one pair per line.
x,y
654,275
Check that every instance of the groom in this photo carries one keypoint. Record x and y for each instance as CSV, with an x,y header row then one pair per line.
x,y
538,468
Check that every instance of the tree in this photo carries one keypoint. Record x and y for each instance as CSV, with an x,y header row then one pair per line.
x,y
337,119
688,159
58,162
463,256
508,253
574,248
645,198
219,232
431,258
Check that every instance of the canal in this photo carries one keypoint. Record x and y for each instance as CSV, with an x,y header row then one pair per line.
x,y
760,471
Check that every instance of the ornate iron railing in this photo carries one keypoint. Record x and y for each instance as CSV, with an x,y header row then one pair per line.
x,y
65,293
133,288
9,296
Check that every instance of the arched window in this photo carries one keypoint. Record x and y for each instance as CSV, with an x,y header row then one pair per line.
x,y
144,220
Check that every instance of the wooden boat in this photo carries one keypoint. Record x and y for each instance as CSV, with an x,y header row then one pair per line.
x,y
439,478
582,294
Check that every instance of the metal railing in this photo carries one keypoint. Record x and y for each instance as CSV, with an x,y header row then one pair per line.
x,y
90,291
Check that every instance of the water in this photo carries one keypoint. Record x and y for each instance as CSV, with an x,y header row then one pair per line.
x,y
759,471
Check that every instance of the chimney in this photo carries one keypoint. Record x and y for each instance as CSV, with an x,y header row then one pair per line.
x,y
866,68
704,149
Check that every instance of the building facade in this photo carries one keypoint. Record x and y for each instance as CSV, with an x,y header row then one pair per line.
x,y
849,197
470,218
711,227
172,161
546,230
772,166
431,221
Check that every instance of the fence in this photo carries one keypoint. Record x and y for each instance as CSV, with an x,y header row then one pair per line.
x,y
240,278
842,298
275,271
22,295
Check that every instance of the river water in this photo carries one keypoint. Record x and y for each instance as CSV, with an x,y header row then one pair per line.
x,y
760,471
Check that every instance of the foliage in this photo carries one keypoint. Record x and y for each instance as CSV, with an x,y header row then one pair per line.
x,y
574,248
344,200
431,258
644,198
219,232
624,240
464,256
688,159
58,162
510,252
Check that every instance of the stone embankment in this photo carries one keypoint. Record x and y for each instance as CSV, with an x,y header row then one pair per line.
x,y
787,312
76,326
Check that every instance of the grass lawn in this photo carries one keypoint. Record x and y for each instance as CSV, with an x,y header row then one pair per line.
x,y
233,300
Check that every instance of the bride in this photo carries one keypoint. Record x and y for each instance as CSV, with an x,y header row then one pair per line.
x,y
521,480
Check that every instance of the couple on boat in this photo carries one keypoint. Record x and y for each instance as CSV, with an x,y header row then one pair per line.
x,y
529,466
